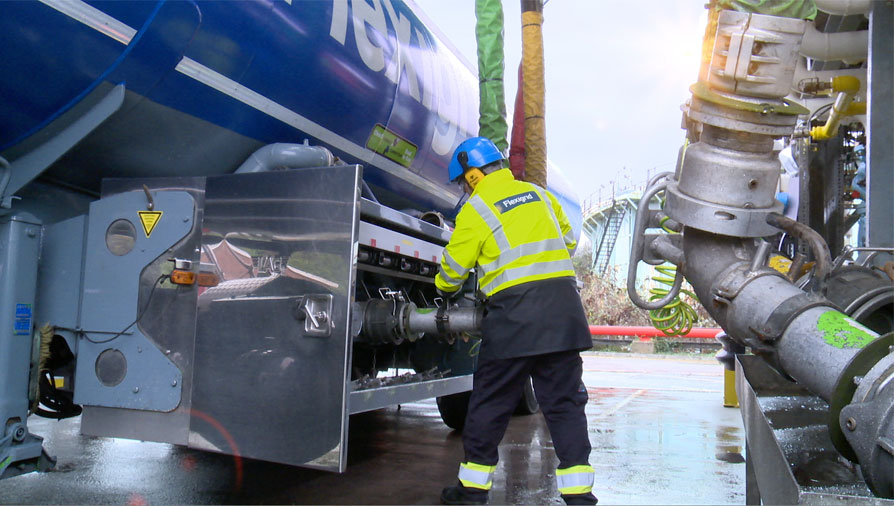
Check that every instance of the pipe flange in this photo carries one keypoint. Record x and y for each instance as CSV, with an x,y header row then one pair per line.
x,y
762,106
870,426
765,120
719,219
861,292
846,387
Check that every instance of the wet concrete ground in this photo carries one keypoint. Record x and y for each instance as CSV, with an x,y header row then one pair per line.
x,y
659,432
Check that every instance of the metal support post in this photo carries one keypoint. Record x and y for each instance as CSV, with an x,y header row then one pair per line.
x,y
880,152
20,452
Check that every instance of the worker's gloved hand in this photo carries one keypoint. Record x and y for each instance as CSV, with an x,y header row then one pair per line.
x,y
448,295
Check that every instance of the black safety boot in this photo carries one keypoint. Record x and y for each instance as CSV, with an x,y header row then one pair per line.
x,y
588,498
459,494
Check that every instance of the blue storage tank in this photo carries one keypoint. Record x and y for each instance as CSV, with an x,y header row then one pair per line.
x,y
208,83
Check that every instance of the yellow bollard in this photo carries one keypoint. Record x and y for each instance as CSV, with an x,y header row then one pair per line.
x,y
730,399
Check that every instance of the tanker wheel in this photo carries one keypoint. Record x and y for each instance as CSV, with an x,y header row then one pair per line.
x,y
453,409
527,405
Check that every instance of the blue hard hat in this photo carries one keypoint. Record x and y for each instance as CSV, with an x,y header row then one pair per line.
x,y
474,152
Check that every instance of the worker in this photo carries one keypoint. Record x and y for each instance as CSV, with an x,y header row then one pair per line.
x,y
534,324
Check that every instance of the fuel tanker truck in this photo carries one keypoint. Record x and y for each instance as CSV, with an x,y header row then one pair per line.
x,y
221,221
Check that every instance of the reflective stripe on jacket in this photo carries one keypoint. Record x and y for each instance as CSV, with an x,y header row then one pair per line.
x,y
516,232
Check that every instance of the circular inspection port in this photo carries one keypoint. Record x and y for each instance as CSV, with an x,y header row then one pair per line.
x,y
111,367
121,236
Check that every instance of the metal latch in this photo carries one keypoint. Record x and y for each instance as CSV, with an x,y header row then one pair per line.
x,y
316,311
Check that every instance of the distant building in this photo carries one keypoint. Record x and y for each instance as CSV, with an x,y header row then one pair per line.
x,y
608,223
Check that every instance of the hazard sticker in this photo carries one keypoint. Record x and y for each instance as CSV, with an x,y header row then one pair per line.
x,y
149,219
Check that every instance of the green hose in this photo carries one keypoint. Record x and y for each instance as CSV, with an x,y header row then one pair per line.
x,y
677,317
492,102
798,9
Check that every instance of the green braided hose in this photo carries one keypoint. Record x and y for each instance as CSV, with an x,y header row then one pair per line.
x,y
677,317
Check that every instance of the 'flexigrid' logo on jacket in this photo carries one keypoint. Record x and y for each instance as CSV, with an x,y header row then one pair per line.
x,y
514,201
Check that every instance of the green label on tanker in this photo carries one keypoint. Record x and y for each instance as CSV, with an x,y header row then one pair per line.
x,y
391,146
843,332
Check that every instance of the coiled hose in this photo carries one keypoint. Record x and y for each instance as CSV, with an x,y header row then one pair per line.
x,y
677,317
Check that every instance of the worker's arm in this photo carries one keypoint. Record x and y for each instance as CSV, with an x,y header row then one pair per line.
x,y
564,224
461,253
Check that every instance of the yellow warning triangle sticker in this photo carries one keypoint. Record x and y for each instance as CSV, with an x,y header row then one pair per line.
x,y
149,219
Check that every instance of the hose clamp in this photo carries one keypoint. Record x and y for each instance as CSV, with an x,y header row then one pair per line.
x,y
785,313
736,278
441,319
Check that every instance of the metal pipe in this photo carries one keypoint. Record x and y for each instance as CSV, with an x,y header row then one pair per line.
x,y
804,75
760,257
850,250
636,253
810,339
665,248
287,156
849,47
445,320
847,87
818,246
817,346
844,7
636,331
393,321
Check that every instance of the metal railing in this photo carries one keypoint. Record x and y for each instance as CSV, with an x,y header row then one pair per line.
x,y
606,195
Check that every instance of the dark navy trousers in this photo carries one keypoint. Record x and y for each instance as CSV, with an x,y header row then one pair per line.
x,y
498,386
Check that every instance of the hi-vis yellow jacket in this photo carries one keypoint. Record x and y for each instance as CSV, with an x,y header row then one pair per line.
x,y
516,232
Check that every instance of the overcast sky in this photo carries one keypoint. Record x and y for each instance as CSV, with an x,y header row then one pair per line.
x,y
616,74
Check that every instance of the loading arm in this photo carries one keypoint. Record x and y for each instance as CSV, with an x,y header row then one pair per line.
x,y
736,111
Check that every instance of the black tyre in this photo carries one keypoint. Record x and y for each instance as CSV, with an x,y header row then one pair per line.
x,y
453,409
527,405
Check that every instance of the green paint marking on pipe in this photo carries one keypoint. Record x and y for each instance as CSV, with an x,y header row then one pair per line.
x,y
424,310
843,332
5,464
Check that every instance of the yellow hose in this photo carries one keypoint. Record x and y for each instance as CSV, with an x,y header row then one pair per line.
x,y
534,97
846,87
